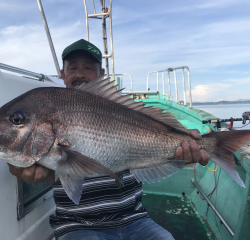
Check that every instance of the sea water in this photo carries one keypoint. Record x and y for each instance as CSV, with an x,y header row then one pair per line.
x,y
225,111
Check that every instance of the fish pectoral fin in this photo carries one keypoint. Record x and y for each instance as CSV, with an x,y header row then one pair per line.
x,y
155,173
73,167
73,187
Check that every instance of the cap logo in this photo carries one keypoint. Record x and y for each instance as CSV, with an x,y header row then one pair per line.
x,y
93,49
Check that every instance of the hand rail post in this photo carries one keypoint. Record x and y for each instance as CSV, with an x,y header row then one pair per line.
x,y
120,85
147,82
169,87
163,82
131,83
189,88
184,88
176,90
131,80
157,81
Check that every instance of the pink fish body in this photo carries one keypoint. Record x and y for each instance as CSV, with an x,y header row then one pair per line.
x,y
94,131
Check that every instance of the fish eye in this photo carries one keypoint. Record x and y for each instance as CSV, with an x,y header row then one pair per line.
x,y
17,118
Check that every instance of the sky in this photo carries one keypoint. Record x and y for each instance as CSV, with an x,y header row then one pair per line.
x,y
211,37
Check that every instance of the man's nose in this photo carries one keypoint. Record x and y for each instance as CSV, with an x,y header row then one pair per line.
x,y
80,73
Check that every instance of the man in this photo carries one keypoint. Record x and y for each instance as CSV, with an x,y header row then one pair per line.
x,y
105,211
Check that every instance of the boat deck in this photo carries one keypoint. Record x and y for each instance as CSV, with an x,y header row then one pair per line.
x,y
178,216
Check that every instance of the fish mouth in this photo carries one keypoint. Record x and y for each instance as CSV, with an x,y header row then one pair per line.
x,y
78,82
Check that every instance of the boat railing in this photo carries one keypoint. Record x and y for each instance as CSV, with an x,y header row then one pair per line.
x,y
9,68
131,80
119,83
163,83
175,79
32,75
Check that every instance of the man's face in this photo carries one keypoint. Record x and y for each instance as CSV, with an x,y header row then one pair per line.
x,y
79,67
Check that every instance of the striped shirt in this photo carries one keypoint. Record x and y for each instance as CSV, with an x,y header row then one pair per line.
x,y
103,205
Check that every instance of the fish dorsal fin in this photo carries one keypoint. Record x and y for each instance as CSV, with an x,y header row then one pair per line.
x,y
107,89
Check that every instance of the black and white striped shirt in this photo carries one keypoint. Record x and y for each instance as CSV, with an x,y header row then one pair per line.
x,y
103,205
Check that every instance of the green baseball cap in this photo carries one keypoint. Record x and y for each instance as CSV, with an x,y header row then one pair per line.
x,y
85,46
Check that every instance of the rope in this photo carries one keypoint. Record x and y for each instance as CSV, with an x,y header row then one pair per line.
x,y
211,169
214,183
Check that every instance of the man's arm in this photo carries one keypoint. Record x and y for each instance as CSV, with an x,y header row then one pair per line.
x,y
36,174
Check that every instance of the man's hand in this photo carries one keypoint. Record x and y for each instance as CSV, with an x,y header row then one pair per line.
x,y
190,151
33,174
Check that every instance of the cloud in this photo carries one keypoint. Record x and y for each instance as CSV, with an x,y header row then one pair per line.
x,y
26,46
228,90
198,6
217,4
244,81
209,92
211,38
14,6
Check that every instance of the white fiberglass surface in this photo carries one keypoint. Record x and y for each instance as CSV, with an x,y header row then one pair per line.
x,y
12,86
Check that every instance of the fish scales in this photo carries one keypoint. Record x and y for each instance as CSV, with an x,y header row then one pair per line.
x,y
81,134
104,130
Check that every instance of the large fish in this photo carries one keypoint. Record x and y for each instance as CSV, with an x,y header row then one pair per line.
x,y
94,130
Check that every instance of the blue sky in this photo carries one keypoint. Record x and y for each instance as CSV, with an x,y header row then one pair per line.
x,y
211,37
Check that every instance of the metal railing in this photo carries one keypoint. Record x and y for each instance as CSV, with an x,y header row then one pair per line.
x,y
213,207
49,38
40,76
163,80
131,80
121,75
176,88
183,81
103,16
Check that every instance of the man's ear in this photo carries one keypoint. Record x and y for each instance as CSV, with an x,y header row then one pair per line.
x,y
63,76
102,72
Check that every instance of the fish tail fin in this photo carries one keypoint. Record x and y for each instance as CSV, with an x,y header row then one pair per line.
x,y
226,144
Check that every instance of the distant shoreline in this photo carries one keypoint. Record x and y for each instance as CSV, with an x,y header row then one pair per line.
x,y
221,102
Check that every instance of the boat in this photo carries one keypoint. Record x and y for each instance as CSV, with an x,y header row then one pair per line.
x,y
179,203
